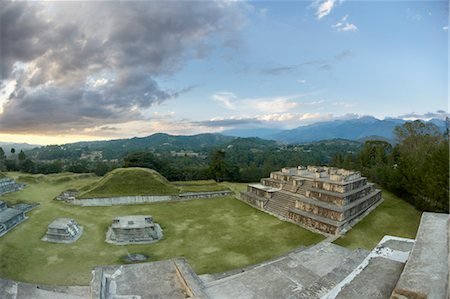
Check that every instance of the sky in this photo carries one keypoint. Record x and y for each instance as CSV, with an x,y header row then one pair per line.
x,y
72,71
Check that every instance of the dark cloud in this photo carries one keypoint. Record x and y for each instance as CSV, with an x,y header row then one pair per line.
x,y
79,64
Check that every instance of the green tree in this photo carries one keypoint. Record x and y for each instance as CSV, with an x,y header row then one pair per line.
x,y
22,156
13,150
423,165
143,159
217,169
2,160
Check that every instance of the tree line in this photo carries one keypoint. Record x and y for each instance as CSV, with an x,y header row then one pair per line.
x,y
416,168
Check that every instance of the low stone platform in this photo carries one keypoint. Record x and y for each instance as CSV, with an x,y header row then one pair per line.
x,y
172,278
10,217
63,230
134,229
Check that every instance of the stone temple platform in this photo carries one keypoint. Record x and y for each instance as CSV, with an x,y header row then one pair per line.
x,y
135,229
63,230
324,199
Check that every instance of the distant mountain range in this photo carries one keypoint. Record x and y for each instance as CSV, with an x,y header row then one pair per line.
x,y
354,130
359,129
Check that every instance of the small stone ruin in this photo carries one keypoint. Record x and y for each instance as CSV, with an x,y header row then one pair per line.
x,y
136,229
9,218
9,185
63,230
67,195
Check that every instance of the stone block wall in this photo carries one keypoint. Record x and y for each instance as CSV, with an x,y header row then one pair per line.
x,y
253,200
309,222
324,212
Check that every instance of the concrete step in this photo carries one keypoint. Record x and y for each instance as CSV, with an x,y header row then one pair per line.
x,y
279,278
377,274
330,280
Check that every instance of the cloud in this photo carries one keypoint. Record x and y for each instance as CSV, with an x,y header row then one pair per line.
x,y
445,28
276,104
80,64
226,99
324,8
343,25
286,120
301,81
108,128
227,122
279,70
440,114
327,64
343,104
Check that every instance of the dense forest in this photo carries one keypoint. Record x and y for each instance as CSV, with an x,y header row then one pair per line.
x,y
416,167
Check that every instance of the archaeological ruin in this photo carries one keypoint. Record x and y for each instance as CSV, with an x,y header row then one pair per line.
x,y
396,268
9,185
63,230
324,199
136,229
9,218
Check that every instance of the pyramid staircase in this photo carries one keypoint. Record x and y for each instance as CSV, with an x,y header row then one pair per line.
x,y
280,204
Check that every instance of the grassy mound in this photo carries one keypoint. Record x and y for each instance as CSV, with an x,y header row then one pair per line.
x,y
2,175
129,182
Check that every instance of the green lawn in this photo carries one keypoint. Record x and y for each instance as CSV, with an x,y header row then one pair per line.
x,y
199,186
214,235
393,216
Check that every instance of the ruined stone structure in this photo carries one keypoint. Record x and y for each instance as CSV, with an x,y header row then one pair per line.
x,y
9,218
67,195
326,199
9,185
134,229
63,230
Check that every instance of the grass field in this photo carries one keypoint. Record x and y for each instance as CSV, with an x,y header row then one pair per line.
x,y
214,235
393,216
129,182
199,186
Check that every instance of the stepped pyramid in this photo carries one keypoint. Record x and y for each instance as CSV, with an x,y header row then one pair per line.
x,y
326,199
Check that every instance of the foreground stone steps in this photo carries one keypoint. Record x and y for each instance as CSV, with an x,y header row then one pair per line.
x,y
330,280
377,274
279,278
